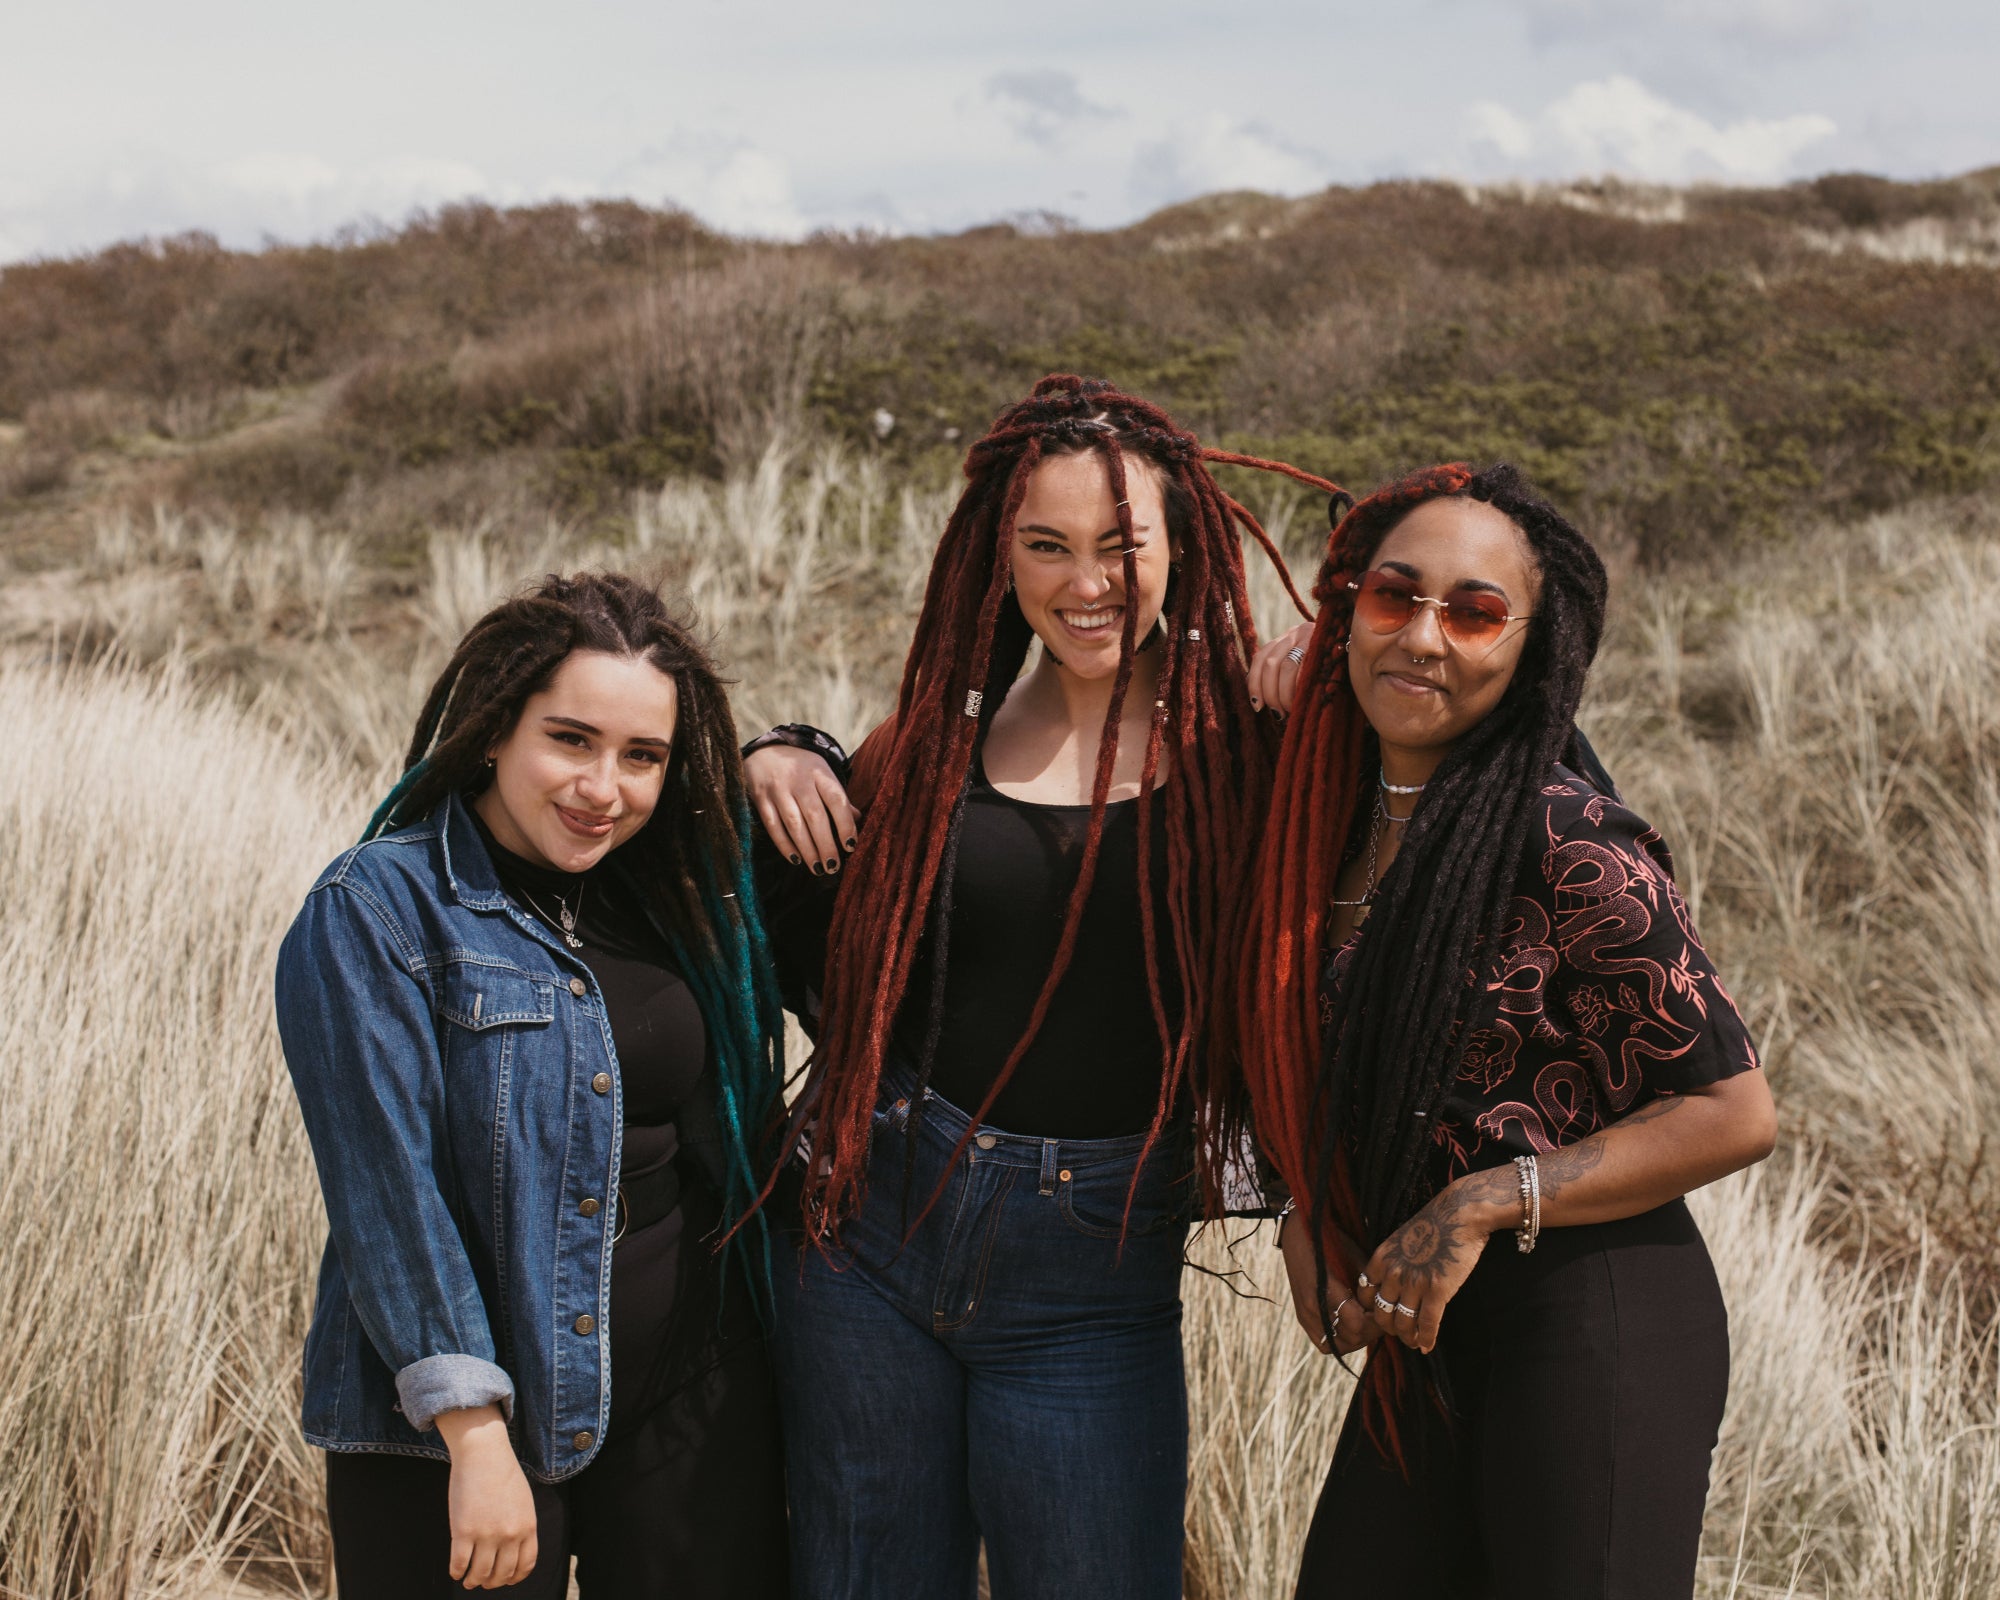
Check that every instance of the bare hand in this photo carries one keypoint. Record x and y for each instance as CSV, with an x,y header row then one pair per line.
x,y
493,1530
1352,1330
1419,1267
805,810
1274,677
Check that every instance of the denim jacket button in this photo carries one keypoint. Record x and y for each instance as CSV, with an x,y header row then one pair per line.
x,y
586,1323
578,987
601,1083
584,1440
589,1208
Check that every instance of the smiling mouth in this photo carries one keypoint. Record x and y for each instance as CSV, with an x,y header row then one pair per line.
x,y
1092,621
582,822
1409,685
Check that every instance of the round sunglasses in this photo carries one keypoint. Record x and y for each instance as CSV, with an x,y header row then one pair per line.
x,y
1387,603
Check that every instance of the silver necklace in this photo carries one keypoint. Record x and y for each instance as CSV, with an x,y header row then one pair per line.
x,y
1375,826
566,923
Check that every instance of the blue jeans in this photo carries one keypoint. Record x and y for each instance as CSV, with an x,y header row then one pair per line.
x,y
1011,1372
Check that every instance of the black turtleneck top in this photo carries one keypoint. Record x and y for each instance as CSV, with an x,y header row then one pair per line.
x,y
661,1045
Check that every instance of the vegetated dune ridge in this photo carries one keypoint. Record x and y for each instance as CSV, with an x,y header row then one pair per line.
x,y
207,674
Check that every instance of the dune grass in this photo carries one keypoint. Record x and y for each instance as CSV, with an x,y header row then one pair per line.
x,y
200,713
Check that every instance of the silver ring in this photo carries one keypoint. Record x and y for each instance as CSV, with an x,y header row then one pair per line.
x,y
1362,1284
1408,1311
1295,654
1333,1322
1384,1305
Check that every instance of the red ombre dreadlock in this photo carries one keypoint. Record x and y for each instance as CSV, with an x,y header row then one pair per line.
x,y
970,643
1345,1102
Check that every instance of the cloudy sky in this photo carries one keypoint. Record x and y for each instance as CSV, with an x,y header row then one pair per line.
x,y
775,117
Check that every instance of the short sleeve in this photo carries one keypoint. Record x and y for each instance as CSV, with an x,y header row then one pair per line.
x,y
1631,982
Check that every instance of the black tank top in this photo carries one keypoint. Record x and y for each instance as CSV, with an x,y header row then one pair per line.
x,y
1095,1067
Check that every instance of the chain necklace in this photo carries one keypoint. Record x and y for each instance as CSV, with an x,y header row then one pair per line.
x,y
1376,823
566,922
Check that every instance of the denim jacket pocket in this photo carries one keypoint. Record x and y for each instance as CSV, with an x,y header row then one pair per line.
x,y
479,995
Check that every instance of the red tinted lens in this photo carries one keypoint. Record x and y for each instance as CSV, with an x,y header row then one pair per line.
x,y
1383,603
1473,616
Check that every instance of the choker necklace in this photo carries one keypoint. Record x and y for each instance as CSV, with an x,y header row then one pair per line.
x,y
566,923
1382,818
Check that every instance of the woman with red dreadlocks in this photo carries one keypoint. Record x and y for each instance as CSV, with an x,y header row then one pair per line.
x,y
1488,1056
1008,1103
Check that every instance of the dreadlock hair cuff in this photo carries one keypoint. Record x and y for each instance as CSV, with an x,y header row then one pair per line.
x,y
974,699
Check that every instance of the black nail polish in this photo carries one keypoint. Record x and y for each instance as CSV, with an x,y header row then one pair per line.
x,y
797,862
816,872
832,862
850,844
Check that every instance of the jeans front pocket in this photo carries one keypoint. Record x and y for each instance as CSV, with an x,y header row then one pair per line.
x,y
1092,1200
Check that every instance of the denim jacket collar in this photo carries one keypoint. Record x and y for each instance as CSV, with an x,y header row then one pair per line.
x,y
469,874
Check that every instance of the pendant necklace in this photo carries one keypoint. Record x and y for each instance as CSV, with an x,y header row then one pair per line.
x,y
1384,788
566,923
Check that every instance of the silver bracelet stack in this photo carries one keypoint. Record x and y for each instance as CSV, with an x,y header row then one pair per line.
x,y
1531,1203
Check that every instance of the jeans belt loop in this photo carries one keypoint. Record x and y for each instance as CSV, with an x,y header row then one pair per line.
x,y
1049,1166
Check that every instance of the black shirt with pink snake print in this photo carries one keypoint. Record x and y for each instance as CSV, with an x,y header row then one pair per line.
x,y
1603,997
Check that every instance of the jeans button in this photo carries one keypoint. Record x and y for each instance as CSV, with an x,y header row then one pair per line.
x,y
1064,1174
986,1141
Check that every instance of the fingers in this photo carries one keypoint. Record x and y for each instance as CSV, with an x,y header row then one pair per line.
x,y
805,815
774,826
461,1556
1274,671
526,1553
1431,1314
802,805
479,1569
840,812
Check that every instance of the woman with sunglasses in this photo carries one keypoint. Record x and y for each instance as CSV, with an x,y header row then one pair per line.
x,y
1488,1057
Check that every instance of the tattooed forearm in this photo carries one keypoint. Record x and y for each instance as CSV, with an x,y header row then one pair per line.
x,y
1561,1168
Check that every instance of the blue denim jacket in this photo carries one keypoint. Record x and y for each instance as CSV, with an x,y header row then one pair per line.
x,y
456,1071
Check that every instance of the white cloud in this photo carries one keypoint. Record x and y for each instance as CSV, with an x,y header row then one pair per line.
x,y
290,195
1618,126
1045,106
729,184
1212,152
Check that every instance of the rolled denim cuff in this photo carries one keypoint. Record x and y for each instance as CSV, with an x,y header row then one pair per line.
x,y
451,1383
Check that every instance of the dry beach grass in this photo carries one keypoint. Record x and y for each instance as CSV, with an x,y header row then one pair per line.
x,y
198,712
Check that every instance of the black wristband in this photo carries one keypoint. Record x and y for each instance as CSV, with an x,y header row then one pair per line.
x,y
803,736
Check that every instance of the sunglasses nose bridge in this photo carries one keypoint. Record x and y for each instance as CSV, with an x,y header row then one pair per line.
x,y
1425,608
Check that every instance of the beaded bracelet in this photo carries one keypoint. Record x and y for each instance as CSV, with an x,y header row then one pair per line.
x,y
1530,1175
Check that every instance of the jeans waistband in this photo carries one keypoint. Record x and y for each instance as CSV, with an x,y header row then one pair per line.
x,y
950,1123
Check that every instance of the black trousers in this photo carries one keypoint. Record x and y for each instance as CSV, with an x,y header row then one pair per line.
x,y
688,1504
1586,1382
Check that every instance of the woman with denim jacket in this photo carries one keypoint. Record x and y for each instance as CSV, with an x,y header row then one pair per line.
x,y
533,1034
1008,1107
